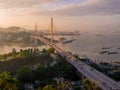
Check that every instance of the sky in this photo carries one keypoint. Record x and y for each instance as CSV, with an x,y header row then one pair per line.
x,y
83,15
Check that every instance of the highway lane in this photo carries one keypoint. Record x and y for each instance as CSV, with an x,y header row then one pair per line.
x,y
87,73
105,81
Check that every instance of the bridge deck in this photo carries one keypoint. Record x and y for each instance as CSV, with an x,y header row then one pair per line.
x,y
99,78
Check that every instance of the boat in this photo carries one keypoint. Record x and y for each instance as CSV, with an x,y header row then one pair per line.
x,y
64,40
118,48
108,52
104,52
112,53
68,41
99,35
106,48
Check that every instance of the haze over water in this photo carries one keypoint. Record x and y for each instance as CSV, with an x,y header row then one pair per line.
x,y
91,44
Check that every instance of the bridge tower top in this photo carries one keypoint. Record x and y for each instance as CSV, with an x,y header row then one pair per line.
x,y
51,30
36,34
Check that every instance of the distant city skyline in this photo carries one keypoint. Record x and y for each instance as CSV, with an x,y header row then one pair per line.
x,y
83,15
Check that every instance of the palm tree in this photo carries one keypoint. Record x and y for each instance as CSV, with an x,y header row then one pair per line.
x,y
62,85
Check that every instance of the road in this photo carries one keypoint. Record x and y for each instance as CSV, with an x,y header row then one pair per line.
x,y
99,78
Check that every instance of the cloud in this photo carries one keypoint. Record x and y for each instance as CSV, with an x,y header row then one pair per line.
x,y
23,7
62,7
90,7
7,4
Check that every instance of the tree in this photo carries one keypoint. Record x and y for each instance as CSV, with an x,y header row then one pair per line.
x,y
64,69
7,82
4,56
49,87
21,52
90,85
45,55
95,86
41,72
95,66
51,50
63,85
77,88
29,51
44,50
115,76
39,88
25,74
87,84
14,52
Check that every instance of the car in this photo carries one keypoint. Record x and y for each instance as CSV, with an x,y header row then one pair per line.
x,y
81,67
113,88
91,69
103,82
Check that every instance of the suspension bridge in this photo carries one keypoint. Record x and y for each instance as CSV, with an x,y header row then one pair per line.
x,y
103,81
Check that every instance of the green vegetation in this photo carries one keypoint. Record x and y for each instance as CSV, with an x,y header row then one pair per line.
x,y
25,74
115,76
64,69
48,87
90,85
14,53
7,82
87,84
51,50
96,66
77,88
30,57
33,66
46,74
4,56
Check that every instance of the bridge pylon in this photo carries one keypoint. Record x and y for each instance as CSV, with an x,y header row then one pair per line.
x,y
36,34
51,30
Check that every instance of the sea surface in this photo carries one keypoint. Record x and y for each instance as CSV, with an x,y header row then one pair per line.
x,y
89,44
